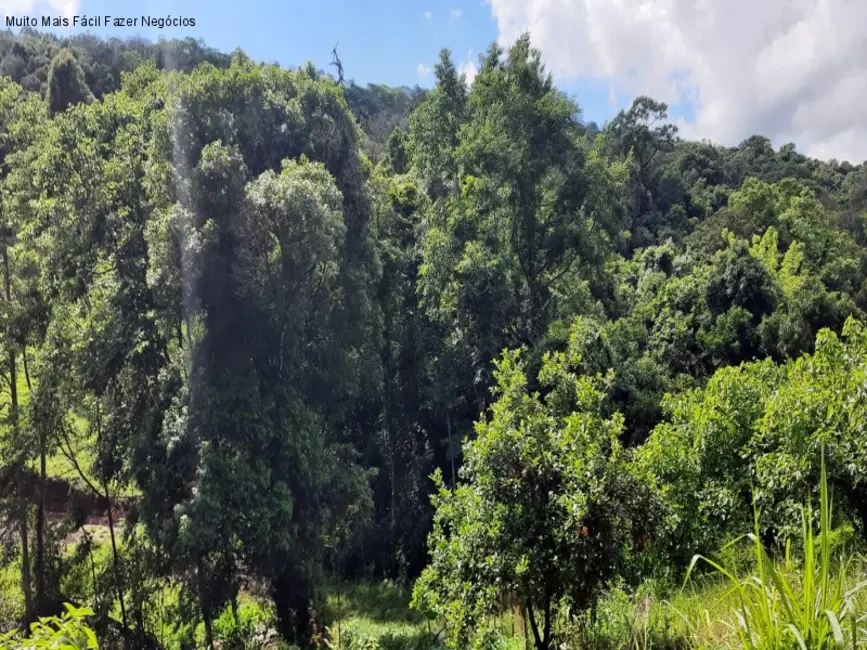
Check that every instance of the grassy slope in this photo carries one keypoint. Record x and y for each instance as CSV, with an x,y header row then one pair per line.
x,y
58,465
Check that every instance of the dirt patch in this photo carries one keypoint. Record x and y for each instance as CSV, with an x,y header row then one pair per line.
x,y
64,501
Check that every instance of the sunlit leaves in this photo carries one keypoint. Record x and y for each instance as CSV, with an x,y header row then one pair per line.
x,y
761,427
548,507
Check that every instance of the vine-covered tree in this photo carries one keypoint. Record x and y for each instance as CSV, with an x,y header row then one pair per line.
x,y
66,84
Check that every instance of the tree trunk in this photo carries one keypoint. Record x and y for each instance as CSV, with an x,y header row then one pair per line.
x,y
189,333
292,603
41,603
22,486
451,446
209,631
116,561
204,603
548,633
40,531
539,640
388,363
25,553
92,568
26,370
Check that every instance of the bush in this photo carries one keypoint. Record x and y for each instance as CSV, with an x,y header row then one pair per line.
x,y
755,432
252,627
625,621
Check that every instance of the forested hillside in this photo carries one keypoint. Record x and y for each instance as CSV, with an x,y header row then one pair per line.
x,y
265,334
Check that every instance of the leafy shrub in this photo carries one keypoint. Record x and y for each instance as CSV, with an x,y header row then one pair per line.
x,y
755,431
68,632
626,621
348,640
250,629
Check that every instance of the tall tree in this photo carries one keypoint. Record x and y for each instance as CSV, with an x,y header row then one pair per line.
x,y
66,83
274,271
21,119
434,129
533,214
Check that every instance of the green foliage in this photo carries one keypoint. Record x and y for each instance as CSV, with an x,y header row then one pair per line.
x,y
761,426
26,57
68,632
547,513
66,84
265,306
521,206
244,629
382,112
435,125
622,620
815,609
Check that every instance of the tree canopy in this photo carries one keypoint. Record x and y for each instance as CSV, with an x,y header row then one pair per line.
x,y
248,312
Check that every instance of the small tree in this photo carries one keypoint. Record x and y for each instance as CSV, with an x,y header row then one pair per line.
x,y
548,509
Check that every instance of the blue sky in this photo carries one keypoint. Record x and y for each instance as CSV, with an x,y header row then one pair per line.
x,y
794,72
383,41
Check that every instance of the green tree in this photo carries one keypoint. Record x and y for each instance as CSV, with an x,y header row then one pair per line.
x,y
270,265
66,83
502,257
757,430
547,511
22,319
641,135
434,128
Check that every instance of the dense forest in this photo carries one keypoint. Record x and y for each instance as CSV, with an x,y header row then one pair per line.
x,y
272,342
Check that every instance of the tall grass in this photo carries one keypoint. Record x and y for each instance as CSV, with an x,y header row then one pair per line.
x,y
796,606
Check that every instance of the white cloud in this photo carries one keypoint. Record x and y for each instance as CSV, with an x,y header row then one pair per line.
x,y
27,7
793,70
456,13
428,15
469,68
422,70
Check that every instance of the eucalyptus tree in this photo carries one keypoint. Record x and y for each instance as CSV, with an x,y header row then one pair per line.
x,y
22,319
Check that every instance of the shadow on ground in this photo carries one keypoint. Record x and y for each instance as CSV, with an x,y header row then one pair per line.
x,y
381,602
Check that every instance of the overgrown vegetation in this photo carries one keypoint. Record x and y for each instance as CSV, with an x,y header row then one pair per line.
x,y
278,352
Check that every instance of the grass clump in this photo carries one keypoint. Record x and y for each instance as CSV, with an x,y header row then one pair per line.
x,y
810,604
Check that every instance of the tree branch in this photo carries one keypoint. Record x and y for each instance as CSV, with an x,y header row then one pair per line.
x,y
70,455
